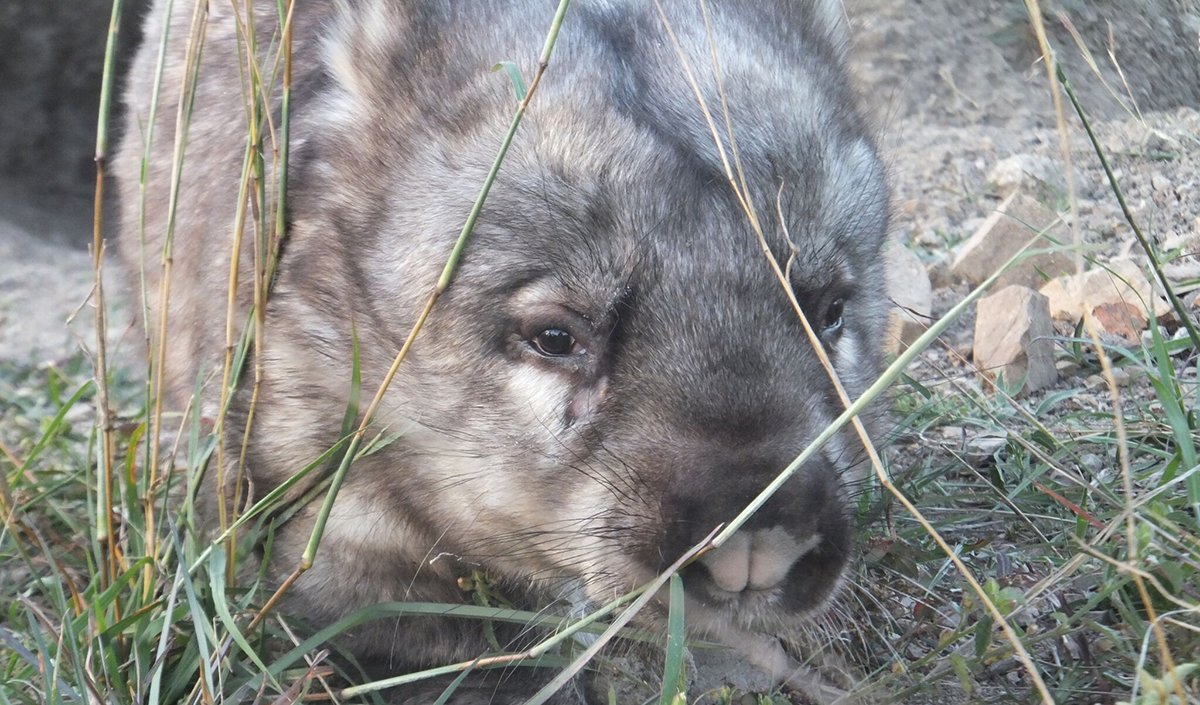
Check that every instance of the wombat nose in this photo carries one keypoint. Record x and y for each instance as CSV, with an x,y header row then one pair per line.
x,y
755,559
797,542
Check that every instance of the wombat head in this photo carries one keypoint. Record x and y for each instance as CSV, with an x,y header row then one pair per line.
x,y
615,369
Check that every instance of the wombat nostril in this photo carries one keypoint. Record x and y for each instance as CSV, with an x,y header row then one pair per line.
x,y
774,552
729,565
756,560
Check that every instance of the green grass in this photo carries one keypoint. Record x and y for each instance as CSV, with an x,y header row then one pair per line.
x,y
1043,513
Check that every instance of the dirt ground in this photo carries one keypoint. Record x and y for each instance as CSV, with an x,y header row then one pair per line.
x,y
955,87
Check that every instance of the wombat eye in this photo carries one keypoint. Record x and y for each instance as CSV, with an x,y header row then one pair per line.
x,y
554,342
831,322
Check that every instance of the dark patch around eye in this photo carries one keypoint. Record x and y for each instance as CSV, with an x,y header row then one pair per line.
x,y
831,320
554,342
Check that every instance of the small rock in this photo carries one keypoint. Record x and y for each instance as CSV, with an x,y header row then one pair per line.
x,y
1066,368
1147,336
1182,334
1188,244
929,238
1031,173
984,446
1013,338
1125,321
1192,300
1120,375
910,294
953,433
971,224
1018,220
1157,142
1123,282
939,272
1182,273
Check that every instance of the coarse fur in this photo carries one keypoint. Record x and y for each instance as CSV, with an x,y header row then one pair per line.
x,y
688,381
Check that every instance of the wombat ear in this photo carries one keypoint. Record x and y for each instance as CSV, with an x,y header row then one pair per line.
x,y
831,17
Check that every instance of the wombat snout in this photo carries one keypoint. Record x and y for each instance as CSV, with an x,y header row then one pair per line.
x,y
792,550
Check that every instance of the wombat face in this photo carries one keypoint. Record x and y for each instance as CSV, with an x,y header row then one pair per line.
x,y
615,370
644,376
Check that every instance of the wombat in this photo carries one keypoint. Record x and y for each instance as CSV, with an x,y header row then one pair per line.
x,y
615,369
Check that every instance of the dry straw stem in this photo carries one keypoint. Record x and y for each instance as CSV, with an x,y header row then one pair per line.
x,y
738,185
158,350
107,456
1130,107
267,242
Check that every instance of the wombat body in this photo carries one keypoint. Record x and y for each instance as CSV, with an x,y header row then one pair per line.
x,y
615,369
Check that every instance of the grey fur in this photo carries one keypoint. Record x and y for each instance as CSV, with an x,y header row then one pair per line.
x,y
612,218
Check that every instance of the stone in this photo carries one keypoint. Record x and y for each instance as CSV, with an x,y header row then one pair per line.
x,y
1120,376
1031,173
983,447
1183,274
1125,321
1158,142
910,295
1013,338
1122,282
939,272
1018,220
1147,336
1066,367
1188,243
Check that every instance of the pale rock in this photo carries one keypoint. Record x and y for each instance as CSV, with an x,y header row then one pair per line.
x,y
1013,338
1066,367
1158,142
1017,221
1120,375
1183,273
983,447
1147,336
953,433
1031,173
939,272
1188,243
1122,284
972,223
1182,334
910,297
